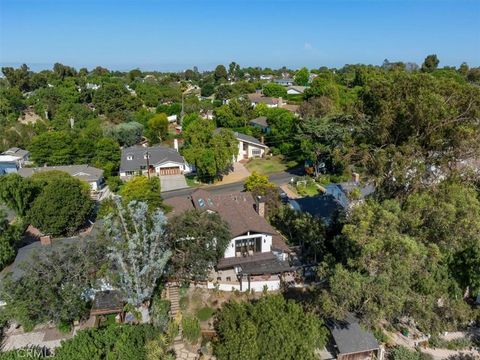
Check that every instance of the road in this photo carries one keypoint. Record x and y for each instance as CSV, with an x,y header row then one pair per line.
x,y
277,178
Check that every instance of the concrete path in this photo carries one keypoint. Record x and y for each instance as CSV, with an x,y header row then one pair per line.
x,y
172,182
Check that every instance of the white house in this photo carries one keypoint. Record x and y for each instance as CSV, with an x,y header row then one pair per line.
x,y
256,257
159,160
13,159
271,102
249,147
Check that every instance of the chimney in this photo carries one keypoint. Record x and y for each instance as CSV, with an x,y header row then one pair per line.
x,y
260,206
262,139
175,144
45,240
356,177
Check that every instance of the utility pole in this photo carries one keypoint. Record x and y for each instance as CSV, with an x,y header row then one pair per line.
x,y
147,155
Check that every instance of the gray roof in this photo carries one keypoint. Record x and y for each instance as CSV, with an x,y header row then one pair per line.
x,y
15,151
350,337
157,156
249,139
83,172
365,190
298,88
260,121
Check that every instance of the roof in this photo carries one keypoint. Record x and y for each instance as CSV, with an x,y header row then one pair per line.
x,y
83,172
256,264
260,121
8,158
259,98
107,302
157,155
298,88
237,209
322,206
249,139
350,337
15,151
365,190
285,80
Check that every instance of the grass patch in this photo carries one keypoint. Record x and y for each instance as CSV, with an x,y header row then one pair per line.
x,y
269,165
205,313
311,189
192,181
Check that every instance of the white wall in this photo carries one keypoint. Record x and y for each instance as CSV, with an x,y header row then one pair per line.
x,y
257,286
249,151
266,244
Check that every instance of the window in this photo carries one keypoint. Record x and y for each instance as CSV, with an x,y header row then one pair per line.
x,y
219,278
229,278
246,247
256,152
129,173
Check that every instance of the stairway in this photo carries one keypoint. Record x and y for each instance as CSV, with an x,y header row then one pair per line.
x,y
174,297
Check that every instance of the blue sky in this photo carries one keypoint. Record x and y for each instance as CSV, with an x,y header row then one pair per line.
x,y
177,34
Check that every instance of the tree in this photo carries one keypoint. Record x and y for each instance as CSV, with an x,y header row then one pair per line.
x,y
139,249
62,206
114,101
260,186
198,240
9,236
128,134
430,63
233,70
17,193
157,128
141,188
122,342
271,328
302,77
53,148
220,73
211,152
53,287
19,78
188,119
107,156
274,90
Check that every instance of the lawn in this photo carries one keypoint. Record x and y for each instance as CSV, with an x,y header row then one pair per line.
x,y
269,165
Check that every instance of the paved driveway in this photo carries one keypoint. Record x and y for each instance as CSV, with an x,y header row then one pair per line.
x,y
172,182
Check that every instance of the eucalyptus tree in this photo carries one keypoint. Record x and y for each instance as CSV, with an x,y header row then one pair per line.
x,y
139,250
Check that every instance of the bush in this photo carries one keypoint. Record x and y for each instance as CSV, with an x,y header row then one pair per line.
x,y
403,353
191,329
205,313
159,312
183,302
456,344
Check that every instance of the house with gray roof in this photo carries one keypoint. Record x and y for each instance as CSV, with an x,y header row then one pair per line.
x,y
352,342
154,160
13,159
261,123
92,175
249,147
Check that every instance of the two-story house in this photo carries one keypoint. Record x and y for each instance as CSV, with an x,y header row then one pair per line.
x,y
257,256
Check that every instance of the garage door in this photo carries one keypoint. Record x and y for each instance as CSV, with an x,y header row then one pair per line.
x,y
170,171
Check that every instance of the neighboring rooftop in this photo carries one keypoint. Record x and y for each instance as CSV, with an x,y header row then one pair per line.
x,y
259,98
298,88
157,155
83,172
260,121
350,337
17,152
249,139
107,302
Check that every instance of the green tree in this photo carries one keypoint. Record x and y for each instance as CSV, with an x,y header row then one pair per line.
x,y
302,77
271,328
274,90
17,193
198,240
157,128
62,206
53,148
188,119
430,63
127,134
114,101
220,73
107,156
141,188
260,186
9,236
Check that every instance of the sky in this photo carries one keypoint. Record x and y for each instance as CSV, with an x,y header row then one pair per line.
x,y
171,35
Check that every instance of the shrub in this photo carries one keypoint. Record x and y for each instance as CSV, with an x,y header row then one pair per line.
x,y
205,313
191,329
456,344
183,302
159,312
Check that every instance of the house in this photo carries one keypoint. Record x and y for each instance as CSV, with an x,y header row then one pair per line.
x,y
89,174
284,81
293,108
159,160
296,90
266,77
257,98
349,194
261,123
351,342
13,159
256,257
249,147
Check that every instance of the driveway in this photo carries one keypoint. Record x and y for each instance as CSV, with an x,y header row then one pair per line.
x,y
239,173
172,182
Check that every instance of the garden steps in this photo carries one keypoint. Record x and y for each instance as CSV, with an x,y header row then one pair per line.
x,y
174,297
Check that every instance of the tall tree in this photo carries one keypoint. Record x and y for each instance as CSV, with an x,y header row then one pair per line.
x,y
17,193
430,63
157,128
220,73
139,250
302,77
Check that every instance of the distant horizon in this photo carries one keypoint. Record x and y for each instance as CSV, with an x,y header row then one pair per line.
x,y
37,67
167,35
